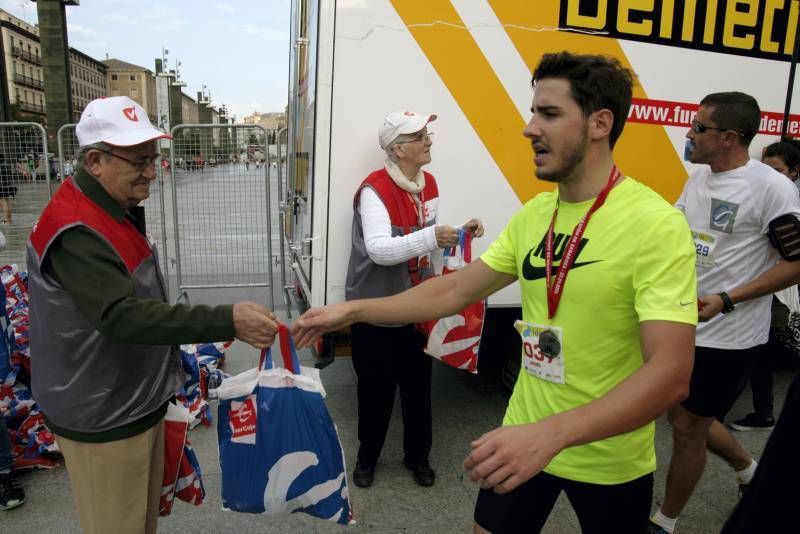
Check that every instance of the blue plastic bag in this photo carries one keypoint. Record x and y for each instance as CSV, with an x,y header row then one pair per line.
x,y
278,447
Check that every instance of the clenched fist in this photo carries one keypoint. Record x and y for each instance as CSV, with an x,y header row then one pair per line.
x,y
254,324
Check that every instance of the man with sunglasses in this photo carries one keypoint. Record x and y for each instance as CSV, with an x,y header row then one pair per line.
x,y
104,340
744,219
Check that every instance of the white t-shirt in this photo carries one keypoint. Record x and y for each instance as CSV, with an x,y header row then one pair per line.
x,y
729,214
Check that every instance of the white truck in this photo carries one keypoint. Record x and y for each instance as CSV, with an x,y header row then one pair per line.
x,y
470,62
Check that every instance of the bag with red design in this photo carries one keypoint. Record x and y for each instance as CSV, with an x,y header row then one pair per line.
x,y
455,340
182,476
279,451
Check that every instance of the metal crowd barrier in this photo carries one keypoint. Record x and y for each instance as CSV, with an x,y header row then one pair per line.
x,y
222,206
25,185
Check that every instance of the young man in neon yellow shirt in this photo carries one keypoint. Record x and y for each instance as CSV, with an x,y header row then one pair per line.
x,y
606,350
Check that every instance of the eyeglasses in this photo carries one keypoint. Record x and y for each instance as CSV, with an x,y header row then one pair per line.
x,y
140,164
699,127
422,138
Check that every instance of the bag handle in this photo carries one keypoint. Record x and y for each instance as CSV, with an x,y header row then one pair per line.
x,y
464,243
288,351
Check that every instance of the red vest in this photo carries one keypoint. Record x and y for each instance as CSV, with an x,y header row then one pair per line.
x,y
85,381
70,207
367,279
402,211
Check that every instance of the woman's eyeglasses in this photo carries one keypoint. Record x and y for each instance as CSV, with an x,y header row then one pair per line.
x,y
421,138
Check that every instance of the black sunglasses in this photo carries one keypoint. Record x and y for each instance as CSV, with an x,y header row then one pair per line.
x,y
699,127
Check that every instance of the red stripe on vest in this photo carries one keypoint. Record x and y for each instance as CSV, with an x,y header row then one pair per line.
x,y
70,207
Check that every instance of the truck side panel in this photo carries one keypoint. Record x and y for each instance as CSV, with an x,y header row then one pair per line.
x,y
469,61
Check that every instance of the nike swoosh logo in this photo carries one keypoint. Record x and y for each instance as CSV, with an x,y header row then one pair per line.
x,y
684,304
529,272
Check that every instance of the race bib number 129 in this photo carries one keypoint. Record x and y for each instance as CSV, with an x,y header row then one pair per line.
x,y
704,245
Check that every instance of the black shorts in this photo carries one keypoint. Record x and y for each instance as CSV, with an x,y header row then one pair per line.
x,y
718,378
619,508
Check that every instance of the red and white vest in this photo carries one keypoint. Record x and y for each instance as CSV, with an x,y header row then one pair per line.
x,y
367,279
83,380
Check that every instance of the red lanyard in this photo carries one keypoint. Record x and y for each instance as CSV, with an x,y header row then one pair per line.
x,y
555,290
419,206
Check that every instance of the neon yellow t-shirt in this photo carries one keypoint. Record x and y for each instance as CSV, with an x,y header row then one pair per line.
x,y
636,263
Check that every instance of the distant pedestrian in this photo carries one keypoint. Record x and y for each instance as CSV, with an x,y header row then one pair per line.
x,y
7,190
32,168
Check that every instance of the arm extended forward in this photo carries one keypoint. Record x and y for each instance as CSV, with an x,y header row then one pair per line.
x,y
437,297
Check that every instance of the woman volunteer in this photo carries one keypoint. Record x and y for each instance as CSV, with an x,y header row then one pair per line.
x,y
394,234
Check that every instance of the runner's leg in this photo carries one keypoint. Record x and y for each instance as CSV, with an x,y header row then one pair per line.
x,y
618,508
689,435
721,443
525,509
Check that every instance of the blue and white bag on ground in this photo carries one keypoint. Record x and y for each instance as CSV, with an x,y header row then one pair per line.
x,y
278,447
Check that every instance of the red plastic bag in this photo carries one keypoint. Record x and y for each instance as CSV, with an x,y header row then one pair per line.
x,y
182,477
456,339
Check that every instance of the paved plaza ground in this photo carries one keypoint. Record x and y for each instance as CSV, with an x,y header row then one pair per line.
x,y
465,406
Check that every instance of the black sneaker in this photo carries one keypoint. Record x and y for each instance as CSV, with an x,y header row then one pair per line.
x,y
754,421
11,493
422,471
363,475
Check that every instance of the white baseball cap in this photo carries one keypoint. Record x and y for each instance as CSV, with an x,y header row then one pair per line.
x,y
401,122
117,121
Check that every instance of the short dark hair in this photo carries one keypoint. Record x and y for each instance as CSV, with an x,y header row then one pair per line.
x,y
596,82
735,111
787,149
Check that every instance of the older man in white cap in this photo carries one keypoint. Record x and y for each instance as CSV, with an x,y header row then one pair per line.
x,y
394,234
104,340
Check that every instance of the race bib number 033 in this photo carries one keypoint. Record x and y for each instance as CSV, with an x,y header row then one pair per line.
x,y
542,350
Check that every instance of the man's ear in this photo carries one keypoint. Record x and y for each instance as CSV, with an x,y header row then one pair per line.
x,y
600,124
731,137
94,161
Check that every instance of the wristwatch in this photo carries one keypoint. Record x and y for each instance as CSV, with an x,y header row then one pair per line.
x,y
727,303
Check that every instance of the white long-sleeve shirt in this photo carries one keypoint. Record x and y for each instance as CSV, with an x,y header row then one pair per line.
x,y
382,247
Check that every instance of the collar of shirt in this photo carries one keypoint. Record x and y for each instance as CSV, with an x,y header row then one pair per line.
x,y
92,189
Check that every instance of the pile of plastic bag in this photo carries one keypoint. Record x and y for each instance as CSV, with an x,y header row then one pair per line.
x,y
32,443
183,478
201,363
